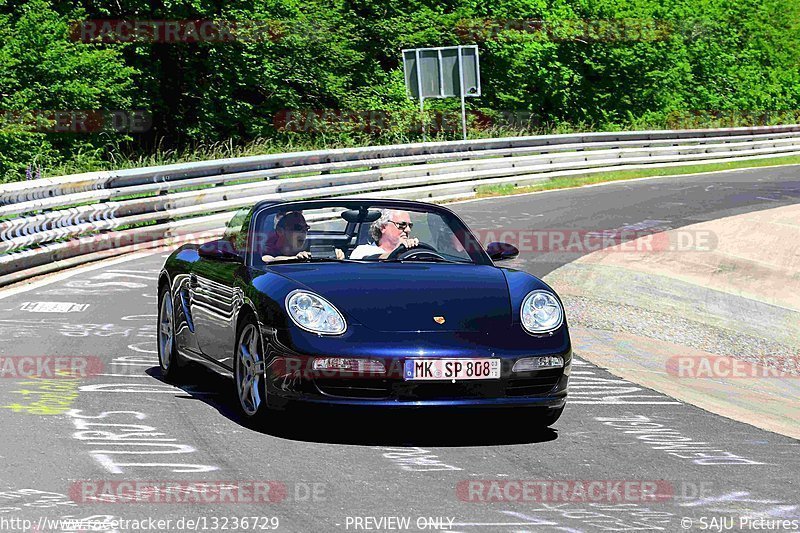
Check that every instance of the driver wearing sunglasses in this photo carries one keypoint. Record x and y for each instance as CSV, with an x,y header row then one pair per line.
x,y
388,232
289,239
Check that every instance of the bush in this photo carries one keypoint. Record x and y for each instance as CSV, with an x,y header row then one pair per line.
x,y
546,67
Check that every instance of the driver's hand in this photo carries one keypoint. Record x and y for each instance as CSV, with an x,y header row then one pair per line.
x,y
409,243
339,254
303,255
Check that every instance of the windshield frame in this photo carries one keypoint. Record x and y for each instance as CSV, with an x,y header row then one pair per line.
x,y
472,245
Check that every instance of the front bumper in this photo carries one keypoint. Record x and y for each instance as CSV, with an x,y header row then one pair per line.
x,y
288,382
289,354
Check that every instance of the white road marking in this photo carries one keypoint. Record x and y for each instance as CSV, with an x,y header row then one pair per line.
x,y
50,279
415,459
672,442
53,307
132,271
140,317
146,388
128,375
138,348
627,229
497,524
117,437
588,388
606,401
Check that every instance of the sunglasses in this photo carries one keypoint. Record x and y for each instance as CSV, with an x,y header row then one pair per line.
x,y
299,227
403,225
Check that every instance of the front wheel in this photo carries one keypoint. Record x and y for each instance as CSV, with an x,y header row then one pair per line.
x,y
168,358
249,370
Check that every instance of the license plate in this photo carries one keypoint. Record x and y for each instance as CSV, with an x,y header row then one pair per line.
x,y
451,369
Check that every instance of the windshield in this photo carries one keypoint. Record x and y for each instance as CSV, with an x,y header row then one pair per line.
x,y
366,233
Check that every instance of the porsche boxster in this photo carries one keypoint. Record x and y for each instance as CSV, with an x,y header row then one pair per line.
x,y
381,303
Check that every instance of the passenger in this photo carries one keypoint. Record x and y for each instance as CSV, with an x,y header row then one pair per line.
x,y
388,232
289,239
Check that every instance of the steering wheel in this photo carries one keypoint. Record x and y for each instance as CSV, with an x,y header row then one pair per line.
x,y
401,252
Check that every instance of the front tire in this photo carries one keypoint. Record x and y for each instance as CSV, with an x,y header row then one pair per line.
x,y
168,359
249,370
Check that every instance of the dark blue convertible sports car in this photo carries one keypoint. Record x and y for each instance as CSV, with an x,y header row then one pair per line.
x,y
380,303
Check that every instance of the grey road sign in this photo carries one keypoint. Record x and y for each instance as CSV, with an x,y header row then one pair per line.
x,y
435,72
443,72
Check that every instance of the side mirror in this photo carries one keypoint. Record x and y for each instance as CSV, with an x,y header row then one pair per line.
x,y
500,251
220,250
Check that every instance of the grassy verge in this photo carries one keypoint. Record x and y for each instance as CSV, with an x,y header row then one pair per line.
x,y
564,182
117,156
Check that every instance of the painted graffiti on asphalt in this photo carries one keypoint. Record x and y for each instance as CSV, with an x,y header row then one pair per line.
x,y
114,436
672,442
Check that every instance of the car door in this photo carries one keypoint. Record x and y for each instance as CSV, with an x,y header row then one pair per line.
x,y
216,292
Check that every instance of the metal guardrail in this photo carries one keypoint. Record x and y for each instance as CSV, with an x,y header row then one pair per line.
x,y
175,200
92,181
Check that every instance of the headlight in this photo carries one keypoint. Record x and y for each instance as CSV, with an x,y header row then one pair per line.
x,y
541,312
314,313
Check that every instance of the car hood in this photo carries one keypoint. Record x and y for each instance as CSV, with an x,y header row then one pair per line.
x,y
407,296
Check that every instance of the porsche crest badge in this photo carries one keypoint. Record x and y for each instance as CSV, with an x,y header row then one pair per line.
x,y
438,319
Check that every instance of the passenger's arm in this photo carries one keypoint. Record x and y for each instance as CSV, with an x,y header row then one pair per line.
x,y
300,255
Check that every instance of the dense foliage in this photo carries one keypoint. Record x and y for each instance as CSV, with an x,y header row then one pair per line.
x,y
546,65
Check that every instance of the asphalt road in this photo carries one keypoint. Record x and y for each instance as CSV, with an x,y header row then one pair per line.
x,y
65,441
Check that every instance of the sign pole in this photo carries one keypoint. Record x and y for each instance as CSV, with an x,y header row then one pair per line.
x,y
422,116
421,98
461,91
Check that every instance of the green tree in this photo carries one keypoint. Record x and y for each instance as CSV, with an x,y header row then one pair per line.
x,y
42,69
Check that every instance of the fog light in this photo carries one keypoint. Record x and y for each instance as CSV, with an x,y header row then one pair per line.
x,y
361,366
538,363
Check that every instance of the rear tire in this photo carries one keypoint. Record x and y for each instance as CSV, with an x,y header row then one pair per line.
x,y
248,370
168,359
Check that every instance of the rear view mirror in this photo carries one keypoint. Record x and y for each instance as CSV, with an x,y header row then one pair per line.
x,y
361,215
221,250
500,251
